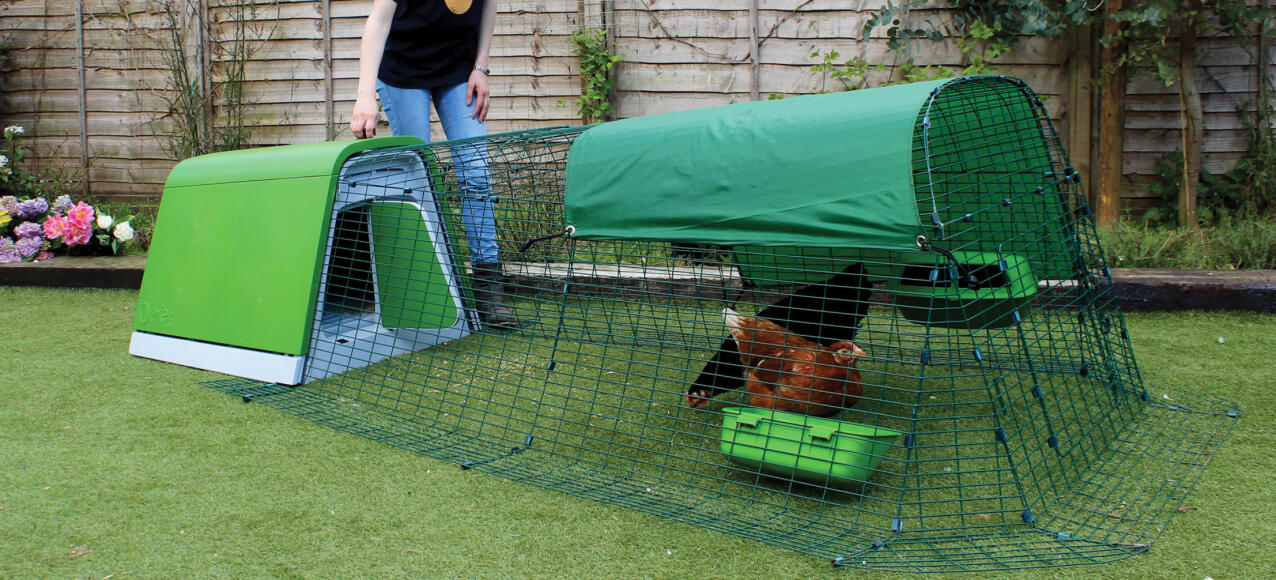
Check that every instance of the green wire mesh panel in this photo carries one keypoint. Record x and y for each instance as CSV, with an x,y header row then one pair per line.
x,y
970,403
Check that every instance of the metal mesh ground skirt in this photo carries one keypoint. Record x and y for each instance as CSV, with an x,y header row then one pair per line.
x,y
1113,510
969,403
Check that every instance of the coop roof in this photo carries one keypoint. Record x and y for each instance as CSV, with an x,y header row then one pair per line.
x,y
831,170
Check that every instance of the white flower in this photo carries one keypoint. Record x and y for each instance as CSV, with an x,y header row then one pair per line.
x,y
14,130
123,231
3,161
104,221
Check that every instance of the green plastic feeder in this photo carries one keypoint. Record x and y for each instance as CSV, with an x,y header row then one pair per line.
x,y
982,290
811,449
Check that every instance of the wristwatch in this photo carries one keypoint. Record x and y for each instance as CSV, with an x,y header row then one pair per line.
x,y
483,70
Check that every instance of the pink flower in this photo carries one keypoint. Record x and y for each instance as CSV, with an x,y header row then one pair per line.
x,y
81,215
45,255
76,235
54,227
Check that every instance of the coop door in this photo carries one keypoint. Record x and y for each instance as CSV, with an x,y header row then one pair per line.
x,y
413,290
389,284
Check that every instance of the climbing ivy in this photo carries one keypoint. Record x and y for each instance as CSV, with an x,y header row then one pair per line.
x,y
854,72
596,64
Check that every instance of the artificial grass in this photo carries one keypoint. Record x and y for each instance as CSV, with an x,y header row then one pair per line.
x,y
114,465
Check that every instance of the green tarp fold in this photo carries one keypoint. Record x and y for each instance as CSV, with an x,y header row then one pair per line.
x,y
832,170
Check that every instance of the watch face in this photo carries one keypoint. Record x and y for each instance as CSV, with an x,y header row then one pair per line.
x,y
458,6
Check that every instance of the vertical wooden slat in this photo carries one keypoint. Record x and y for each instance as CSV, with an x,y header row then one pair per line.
x,y
609,23
1107,198
201,39
1078,103
754,46
329,110
1193,133
81,80
1263,67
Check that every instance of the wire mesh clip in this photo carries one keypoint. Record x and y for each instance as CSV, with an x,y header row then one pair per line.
x,y
568,231
467,465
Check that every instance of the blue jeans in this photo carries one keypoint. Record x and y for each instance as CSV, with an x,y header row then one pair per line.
x,y
408,111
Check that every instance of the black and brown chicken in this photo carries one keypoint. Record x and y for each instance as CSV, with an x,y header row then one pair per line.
x,y
789,373
826,313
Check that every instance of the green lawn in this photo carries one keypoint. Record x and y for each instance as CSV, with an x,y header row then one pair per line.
x,y
123,467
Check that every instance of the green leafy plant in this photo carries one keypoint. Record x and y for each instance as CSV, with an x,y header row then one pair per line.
x,y
855,73
14,181
1231,244
981,45
852,74
17,181
596,63
1246,192
1249,189
981,29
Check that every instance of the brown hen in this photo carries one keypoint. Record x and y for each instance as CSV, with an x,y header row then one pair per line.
x,y
787,372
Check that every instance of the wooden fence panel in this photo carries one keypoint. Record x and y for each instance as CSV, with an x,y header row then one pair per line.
x,y
88,79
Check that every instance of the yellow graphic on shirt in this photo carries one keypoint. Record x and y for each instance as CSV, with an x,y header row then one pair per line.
x,y
458,6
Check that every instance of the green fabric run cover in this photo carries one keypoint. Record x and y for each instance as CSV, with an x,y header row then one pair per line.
x,y
832,170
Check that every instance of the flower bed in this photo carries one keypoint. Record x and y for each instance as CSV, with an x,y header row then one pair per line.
x,y
32,228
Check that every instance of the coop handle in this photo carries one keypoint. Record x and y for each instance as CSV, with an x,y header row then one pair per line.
x,y
968,279
566,232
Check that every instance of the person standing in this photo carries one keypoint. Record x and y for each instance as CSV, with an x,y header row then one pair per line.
x,y
417,52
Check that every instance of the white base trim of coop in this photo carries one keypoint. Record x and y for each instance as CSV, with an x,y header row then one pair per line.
x,y
258,365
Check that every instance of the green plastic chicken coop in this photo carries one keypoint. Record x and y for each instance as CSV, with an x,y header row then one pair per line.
x,y
930,239
255,271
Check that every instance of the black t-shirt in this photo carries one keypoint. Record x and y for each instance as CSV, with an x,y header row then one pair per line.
x,y
431,44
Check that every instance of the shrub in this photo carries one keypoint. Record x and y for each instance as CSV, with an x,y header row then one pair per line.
x,y
1231,244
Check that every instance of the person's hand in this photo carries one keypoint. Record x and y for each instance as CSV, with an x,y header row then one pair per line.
x,y
476,93
363,121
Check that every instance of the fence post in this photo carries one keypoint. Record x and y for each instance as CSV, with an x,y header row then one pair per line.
x,y
1079,106
201,38
329,111
1264,75
82,95
1107,196
754,46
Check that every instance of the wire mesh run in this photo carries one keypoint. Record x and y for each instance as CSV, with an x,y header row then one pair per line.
x,y
972,404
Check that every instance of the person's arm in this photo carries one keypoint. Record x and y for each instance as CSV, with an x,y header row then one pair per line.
x,y
477,89
363,121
